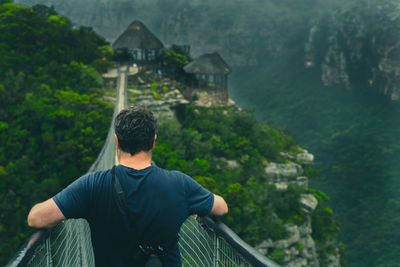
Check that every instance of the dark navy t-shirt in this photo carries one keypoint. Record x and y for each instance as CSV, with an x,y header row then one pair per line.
x,y
159,200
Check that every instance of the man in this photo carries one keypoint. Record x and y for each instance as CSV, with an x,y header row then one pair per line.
x,y
159,201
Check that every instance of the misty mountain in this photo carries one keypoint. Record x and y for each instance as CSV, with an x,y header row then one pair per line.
x,y
336,37
244,33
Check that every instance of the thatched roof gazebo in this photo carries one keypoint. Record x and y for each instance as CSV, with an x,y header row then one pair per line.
x,y
211,83
140,42
209,68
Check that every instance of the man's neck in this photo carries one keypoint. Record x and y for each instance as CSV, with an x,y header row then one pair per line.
x,y
138,161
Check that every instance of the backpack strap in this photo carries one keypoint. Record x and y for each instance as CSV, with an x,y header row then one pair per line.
x,y
120,192
146,249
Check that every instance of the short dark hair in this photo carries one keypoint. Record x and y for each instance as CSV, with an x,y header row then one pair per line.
x,y
135,128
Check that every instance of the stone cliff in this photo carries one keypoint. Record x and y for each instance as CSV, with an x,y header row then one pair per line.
x,y
355,45
242,38
299,247
358,47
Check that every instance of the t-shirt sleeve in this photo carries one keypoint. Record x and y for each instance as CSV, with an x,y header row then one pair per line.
x,y
74,200
199,200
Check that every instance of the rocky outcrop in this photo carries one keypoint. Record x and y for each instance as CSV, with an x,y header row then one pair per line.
x,y
158,93
276,172
281,175
355,51
207,98
231,164
308,202
305,158
164,105
298,248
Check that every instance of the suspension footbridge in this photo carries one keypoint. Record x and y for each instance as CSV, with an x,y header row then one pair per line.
x,y
203,242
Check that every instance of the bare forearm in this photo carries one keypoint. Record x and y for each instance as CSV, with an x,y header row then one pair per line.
x,y
45,215
36,218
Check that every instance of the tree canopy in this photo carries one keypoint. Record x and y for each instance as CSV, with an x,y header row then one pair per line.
x,y
52,121
227,151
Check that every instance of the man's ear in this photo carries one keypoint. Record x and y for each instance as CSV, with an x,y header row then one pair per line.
x,y
116,140
154,142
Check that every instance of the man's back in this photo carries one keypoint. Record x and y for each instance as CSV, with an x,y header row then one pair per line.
x,y
159,202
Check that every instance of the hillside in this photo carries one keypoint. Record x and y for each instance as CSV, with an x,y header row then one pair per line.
x,y
257,168
317,69
53,122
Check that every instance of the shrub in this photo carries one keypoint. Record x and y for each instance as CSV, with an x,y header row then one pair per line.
x,y
154,86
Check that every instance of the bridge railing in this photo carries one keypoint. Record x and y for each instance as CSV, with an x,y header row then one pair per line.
x,y
208,242
67,244
203,243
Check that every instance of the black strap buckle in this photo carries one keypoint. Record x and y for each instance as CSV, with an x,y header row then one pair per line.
x,y
150,250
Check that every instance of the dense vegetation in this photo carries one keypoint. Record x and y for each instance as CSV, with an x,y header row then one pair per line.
x,y
52,123
172,62
226,151
355,135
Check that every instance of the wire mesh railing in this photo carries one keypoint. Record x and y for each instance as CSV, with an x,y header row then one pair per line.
x,y
208,243
67,244
201,246
203,243
195,244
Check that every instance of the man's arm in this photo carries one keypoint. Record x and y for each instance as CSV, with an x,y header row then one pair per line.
x,y
45,215
201,201
220,207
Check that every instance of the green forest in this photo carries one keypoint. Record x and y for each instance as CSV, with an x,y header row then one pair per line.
x,y
53,124
355,138
325,71
354,133
200,146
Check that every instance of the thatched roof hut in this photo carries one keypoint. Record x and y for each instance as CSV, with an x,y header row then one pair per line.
x,y
208,64
139,42
211,83
137,36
